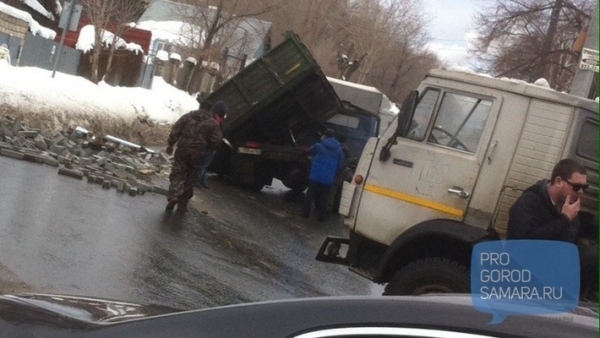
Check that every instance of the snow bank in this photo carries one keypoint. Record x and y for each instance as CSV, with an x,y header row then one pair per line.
x,y
136,114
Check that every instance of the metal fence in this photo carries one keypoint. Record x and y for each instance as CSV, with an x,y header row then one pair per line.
x,y
40,52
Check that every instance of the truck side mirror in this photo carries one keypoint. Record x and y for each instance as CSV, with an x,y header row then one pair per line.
x,y
405,117
406,114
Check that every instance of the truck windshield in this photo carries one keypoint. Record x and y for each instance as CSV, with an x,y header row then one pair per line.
x,y
458,124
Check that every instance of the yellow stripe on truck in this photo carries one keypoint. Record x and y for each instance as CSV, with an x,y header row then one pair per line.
x,y
414,200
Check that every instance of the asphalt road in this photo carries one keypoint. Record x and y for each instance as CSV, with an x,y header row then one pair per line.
x,y
63,235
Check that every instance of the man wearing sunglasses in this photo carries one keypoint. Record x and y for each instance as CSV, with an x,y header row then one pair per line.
x,y
549,210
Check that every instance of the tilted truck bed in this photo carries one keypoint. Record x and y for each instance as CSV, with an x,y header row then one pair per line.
x,y
283,92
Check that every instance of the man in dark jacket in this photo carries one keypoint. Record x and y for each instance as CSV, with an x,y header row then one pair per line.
x,y
549,210
328,161
195,133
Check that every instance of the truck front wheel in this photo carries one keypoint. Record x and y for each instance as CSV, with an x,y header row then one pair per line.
x,y
430,275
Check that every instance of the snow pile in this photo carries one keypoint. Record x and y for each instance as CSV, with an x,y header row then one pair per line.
x,y
34,26
33,90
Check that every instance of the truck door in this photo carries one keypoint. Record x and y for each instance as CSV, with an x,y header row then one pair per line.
x,y
431,172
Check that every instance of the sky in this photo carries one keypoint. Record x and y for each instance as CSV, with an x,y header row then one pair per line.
x,y
450,28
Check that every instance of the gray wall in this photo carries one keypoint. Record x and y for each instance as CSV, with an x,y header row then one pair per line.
x,y
40,52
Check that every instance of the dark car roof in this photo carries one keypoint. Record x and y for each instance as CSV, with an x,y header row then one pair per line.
x,y
289,318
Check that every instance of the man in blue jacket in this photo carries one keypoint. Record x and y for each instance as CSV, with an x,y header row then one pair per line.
x,y
328,161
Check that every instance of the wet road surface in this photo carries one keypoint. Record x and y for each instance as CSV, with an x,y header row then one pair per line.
x,y
63,235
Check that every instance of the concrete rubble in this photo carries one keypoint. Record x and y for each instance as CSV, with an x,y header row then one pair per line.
x,y
78,153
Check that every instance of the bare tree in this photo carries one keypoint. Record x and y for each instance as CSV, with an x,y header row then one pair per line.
x,y
211,25
98,11
127,12
372,25
101,13
530,39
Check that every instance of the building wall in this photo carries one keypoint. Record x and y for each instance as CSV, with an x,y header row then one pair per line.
x,y
12,26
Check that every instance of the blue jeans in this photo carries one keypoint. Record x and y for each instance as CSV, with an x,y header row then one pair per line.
x,y
202,173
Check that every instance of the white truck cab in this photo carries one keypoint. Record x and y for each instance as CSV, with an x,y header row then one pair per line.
x,y
444,174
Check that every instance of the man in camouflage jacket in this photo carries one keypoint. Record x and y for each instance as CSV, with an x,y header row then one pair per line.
x,y
195,133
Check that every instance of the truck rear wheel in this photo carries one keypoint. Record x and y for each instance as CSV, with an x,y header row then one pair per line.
x,y
430,275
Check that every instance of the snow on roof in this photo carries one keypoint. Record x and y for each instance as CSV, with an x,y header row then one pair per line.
x,y
36,6
162,55
354,85
175,56
85,42
165,30
192,60
34,26
59,8
514,85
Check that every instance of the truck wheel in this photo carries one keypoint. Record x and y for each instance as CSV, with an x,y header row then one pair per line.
x,y
430,275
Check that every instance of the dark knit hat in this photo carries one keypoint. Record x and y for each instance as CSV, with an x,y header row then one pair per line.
x,y
219,108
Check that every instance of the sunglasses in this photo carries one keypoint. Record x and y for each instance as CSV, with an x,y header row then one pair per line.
x,y
576,186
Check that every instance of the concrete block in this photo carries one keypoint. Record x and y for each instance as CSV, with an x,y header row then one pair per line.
x,y
13,154
27,133
95,179
57,149
63,160
17,126
33,158
8,132
30,145
132,191
40,142
160,190
106,184
70,172
50,161
58,140
17,142
145,187
121,186
85,152
101,161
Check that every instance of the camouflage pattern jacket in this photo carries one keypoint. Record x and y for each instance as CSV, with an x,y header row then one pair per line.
x,y
196,129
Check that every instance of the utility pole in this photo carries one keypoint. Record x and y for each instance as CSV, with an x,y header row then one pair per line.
x,y
66,26
548,39
583,82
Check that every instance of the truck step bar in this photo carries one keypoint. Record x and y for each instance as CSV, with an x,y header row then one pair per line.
x,y
330,250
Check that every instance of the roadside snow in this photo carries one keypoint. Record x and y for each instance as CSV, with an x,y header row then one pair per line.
x,y
34,90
